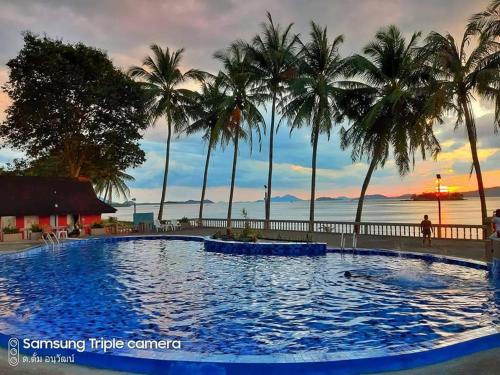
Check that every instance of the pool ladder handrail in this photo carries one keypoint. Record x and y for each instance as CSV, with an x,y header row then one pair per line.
x,y
343,237
50,238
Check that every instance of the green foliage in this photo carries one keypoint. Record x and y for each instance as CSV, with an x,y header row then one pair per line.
x,y
10,230
112,220
97,224
35,228
72,110
184,220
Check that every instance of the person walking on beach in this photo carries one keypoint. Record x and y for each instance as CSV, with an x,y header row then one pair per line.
x,y
495,221
426,227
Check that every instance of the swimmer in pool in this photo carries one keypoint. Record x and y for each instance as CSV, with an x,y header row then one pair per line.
x,y
348,275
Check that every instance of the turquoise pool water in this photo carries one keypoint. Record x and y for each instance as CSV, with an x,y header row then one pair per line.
x,y
231,304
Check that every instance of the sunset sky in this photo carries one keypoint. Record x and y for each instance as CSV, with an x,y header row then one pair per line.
x,y
126,28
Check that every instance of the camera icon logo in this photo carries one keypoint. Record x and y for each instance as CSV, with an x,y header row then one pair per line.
x,y
13,352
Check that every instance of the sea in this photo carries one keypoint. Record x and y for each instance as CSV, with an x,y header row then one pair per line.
x,y
466,211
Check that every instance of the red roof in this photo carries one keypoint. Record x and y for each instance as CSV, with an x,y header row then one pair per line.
x,y
43,196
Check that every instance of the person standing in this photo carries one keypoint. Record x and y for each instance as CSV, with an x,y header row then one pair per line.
x,y
426,228
495,221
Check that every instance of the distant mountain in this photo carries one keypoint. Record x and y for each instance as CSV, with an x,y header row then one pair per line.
x,y
489,192
286,198
373,196
131,203
327,199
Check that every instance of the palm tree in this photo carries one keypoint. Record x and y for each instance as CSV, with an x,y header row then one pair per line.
x,y
240,113
461,76
272,59
487,23
388,107
162,78
314,95
111,179
206,111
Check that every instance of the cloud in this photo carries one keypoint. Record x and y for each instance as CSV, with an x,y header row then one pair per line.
x,y
126,28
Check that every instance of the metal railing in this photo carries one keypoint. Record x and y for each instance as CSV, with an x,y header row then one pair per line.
x,y
448,231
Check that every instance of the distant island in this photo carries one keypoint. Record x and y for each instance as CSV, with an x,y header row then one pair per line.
x,y
434,197
131,203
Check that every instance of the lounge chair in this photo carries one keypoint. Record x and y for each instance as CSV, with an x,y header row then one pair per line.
x,y
159,226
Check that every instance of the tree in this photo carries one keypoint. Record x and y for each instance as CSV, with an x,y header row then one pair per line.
x,y
206,111
462,77
240,113
272,60
162,78
314,95
487,23
110,179
388,106
72,106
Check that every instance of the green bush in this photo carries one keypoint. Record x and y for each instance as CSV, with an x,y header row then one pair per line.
x,y
35,228
97,224
10,230
184,220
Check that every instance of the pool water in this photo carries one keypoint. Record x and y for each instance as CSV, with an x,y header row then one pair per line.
x,y
239,304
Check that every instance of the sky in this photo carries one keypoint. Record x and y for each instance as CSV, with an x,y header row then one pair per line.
x,y
126,28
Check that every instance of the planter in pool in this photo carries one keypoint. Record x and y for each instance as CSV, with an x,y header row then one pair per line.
x,y
265,248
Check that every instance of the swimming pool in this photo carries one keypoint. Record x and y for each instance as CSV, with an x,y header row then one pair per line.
x,y
237,308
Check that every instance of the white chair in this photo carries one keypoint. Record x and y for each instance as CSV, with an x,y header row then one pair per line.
x,y
159,226
169,225
176,225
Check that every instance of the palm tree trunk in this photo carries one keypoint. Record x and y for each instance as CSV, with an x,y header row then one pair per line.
x,y
270,173
313,179
361,200
233,177
205,176
165,176
469,123
110,194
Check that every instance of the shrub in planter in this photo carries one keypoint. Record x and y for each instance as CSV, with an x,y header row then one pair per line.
x,y
184,222
97,229
36,232
12,234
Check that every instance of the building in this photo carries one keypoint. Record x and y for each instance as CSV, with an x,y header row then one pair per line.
x,y
48,201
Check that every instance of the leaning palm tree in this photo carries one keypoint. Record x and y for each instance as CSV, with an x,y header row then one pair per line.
x,y
487,23
111,180
462,78
162,78
206,113
315,93
273,61
240,112
387,107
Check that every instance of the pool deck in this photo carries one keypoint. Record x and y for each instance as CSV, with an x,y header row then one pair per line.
x,y
466,249
482,363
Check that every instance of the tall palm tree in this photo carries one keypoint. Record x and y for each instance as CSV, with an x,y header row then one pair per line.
x,y
389,108
272,59
162,79
487,23
461,76
315,93
206,112
240,108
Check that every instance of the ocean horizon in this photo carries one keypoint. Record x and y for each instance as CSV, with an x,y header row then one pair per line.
x,y
375,210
